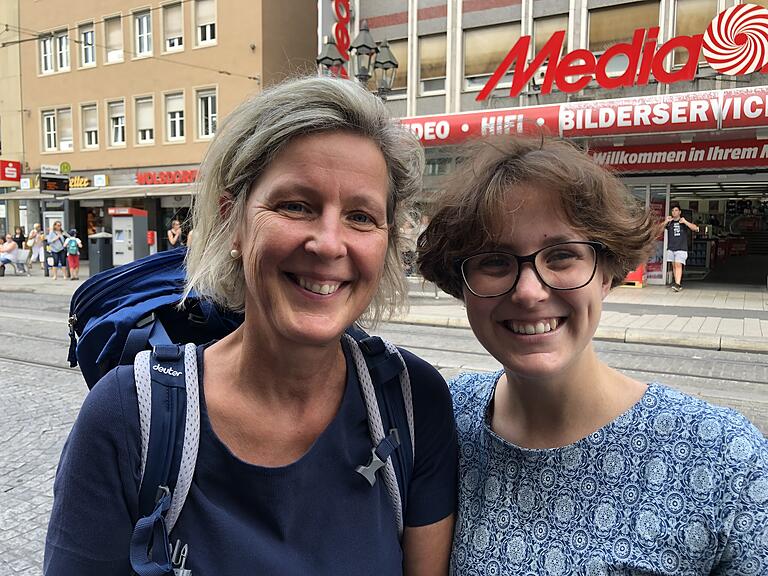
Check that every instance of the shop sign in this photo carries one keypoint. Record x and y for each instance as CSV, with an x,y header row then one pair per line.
x,y
343,14
100,180
671,113
671,157
25,183
732,45
167,177
79,182
50,169
51,183
10,170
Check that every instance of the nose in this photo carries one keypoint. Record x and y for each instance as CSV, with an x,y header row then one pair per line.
x,y
326,238
529,286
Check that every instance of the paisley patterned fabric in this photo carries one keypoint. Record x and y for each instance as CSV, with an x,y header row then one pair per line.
x,y
672,486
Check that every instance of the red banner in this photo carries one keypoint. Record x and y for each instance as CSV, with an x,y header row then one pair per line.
x,y
684,157
671,113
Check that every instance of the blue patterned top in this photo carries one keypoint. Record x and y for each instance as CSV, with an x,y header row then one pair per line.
x,y
672,486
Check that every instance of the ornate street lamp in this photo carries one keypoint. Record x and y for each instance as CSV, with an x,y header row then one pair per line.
x,y
364,50
329,61
385,69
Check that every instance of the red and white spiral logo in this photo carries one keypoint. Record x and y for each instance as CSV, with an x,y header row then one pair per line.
x,y
736,41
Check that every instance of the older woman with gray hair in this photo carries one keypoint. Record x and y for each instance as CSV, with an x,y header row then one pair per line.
x,y
301,197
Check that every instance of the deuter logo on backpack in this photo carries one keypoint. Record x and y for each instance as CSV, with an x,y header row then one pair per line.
x,y
164,370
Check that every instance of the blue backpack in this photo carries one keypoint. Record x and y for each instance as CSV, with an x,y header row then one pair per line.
x,y
130,315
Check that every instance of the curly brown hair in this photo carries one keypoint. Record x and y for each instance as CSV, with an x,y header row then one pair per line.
x,y
592,200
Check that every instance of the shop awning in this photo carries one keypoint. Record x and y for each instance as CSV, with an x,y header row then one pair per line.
x,y
114,192
26,195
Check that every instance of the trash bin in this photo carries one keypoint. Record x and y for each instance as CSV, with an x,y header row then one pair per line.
x,y
99,252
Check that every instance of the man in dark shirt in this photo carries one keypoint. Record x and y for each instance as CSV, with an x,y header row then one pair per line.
x,y
677,244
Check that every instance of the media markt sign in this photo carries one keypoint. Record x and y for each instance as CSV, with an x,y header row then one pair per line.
x,y
735,43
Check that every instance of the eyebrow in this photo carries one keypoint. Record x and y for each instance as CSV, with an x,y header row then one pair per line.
x,y
288,187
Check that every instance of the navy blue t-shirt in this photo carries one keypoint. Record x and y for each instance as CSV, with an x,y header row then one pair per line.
x,y
314,516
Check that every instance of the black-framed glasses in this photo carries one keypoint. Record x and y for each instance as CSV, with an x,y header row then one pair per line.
x,y
563,266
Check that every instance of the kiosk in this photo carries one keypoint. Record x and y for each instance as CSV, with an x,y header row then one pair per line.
x,y
129,234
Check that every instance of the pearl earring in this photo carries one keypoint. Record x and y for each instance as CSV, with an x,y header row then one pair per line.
x,y
235,254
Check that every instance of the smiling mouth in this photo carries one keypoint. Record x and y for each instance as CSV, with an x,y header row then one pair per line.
x,y
531,328
321,288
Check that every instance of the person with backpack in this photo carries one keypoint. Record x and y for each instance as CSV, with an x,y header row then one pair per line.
x,y
56,244
304,461
73,246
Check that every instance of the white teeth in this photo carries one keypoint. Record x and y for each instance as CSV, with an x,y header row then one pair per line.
x,y
323,289
539,327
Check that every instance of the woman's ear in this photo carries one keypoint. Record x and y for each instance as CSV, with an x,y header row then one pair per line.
x,y
606,284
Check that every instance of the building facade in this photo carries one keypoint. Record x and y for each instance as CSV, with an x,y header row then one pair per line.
x,y
628,80
124,99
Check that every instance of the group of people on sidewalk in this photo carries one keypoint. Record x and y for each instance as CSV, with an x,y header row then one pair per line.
x,y
62,249
555,464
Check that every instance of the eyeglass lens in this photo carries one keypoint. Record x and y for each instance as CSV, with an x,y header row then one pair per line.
x,y
563,266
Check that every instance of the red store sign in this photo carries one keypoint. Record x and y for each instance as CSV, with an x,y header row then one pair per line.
x,y
167,177
674,157
10,170
731,45
671,113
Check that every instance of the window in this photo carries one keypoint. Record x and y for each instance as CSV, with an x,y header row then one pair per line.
x,y
145,120
62,50
173,27
90,122
206,113
87,45
484,49
399,50
116,123
46,54
543,28
142,23
64,121
113,34
608,26
437,166
205,21
50,143
692,17
57,130
174,111
431,63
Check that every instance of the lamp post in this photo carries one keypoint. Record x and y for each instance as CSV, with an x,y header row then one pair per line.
x,y
329,61
369,58
385,70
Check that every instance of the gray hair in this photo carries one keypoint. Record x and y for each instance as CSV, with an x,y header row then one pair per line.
x,y
252,136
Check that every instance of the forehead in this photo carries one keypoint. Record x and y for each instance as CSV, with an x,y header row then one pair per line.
x,y
676,208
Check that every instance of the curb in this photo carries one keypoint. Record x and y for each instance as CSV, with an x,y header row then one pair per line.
x,y
626,335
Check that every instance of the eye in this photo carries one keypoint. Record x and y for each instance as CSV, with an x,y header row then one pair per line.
x,y
362,219
293,208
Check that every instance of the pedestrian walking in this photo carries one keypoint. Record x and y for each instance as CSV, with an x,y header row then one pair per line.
x,y
304,245
56,244
73,246
176,236
677,244
566,465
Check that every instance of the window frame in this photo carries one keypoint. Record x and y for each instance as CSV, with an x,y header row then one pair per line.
x,y
111,142
138,16
140,141
475,82
62,50
112,18
85,144
71,139
85,48
166,40
422,91
211,27
49,130
175,123
46,56
202,94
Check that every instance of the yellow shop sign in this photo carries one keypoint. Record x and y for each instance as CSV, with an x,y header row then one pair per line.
x,y
79,182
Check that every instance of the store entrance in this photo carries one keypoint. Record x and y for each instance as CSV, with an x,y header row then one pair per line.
x,y
732,213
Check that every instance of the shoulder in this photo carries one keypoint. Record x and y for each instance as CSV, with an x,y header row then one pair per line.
x,y
471,390
431,398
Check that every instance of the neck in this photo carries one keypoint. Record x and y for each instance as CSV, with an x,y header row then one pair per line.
x,y
564,408
278,374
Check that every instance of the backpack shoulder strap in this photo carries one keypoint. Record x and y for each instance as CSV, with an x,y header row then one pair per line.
x,y
386,390
169,418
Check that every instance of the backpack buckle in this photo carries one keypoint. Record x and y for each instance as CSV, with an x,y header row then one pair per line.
x,y
379,455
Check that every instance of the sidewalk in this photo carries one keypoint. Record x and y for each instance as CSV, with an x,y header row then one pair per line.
x,y
710,316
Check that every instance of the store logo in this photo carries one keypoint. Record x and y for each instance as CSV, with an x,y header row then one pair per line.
x,y
166,370
735,43
343,13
